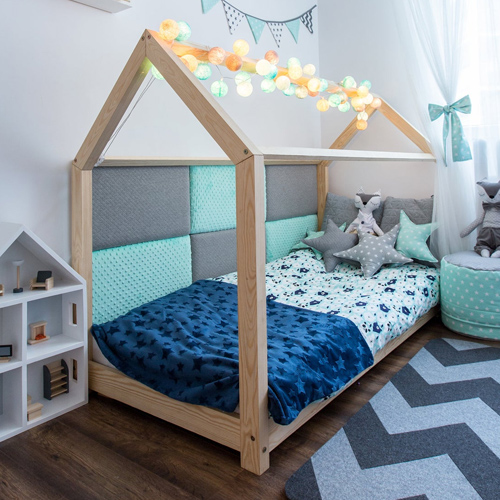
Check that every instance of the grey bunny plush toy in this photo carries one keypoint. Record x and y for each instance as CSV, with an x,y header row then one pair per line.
x,y
365,222
488,236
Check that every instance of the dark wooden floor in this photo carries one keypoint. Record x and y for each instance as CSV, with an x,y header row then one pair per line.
x,y
106,450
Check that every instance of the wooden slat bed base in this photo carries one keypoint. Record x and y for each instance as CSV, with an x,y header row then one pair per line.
x,y
221,427
224,428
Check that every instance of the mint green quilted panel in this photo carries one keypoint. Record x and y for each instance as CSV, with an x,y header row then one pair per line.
x,y
213,198
470,300
282,235
126,277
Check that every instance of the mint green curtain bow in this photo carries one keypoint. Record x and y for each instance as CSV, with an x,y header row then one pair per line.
x,y
460,146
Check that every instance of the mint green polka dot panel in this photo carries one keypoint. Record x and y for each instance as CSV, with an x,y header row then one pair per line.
x,y
213,198
136,274
470,294
282,235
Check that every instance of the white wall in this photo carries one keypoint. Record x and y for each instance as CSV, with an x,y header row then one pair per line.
x,y
359,38
61,59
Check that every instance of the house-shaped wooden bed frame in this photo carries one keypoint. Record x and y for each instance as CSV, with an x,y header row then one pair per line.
x,y
251,432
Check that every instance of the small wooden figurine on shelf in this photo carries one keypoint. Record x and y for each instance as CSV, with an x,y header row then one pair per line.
x,y
37,332
5,353
43,281
18,264
34,409
55,379
1,289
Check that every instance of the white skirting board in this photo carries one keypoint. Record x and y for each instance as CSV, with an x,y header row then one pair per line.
x,y
107,5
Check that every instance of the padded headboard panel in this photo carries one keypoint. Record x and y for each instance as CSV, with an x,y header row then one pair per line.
x,y
157,229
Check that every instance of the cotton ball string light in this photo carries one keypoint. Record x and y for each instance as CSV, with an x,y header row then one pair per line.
x,y
216,55
295,72
242,77
314,84
263,67
323,84
368,99
301,91
241,47
366,83
156,73
361,124
358,104
283,82
290,90
184,31
268,86
322,105
244,89
362,116
334,100
219,88
348,82
309,69
376,103
169,30
272,57
344,107
363,91
293,61
190,61
233,62
203,71
272,74
312,94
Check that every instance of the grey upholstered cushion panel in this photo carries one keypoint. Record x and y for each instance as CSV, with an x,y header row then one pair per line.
x,y
213,253
419,211
291,191
132,205
472,260
341,209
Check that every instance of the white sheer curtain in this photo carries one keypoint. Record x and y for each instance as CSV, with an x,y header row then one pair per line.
x,y
432,34
480,78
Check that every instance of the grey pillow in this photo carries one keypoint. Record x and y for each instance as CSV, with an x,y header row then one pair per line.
x,y
419,211
341,209
373,252
334,240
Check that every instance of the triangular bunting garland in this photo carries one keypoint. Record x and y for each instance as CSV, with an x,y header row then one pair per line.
x,y
256,26
293,27
307,20
206,5
277,31
233,16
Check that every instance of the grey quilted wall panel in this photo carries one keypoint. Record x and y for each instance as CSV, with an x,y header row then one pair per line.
x,y
213,253
132,205
291,191
419,211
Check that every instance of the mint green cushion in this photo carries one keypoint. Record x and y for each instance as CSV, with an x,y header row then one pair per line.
x,y
470,300
282,235
213,198
412,239
126,277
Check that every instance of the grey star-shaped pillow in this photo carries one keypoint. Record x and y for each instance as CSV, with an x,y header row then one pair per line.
x,y
373,252
334,240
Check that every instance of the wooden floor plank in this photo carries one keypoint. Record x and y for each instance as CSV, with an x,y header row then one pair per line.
x,y
109,450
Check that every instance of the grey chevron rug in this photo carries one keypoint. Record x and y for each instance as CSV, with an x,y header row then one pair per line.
x,y
433,432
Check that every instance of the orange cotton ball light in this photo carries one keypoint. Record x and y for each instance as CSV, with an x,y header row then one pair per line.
x,y
233,62
376,103
190,61
322,105
272,57
241,47
361,124
363,91
169,30
216,55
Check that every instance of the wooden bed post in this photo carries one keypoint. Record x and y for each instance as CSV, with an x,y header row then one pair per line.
x,y
81,233
252,325
322,182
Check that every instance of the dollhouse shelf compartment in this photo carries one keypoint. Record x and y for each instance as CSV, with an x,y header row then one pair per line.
x,y
62,312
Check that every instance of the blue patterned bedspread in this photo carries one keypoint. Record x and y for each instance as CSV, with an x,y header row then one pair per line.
x,y
185,345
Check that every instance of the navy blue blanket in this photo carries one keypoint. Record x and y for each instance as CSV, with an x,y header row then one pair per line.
x,y
185,345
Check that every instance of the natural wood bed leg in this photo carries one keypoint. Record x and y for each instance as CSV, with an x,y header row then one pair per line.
x,y
322,182
81,234
251,257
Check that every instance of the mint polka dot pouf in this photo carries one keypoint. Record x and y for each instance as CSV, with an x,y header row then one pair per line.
x,y
470,294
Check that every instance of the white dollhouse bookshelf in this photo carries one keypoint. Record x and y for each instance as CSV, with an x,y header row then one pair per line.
x,y
63,307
